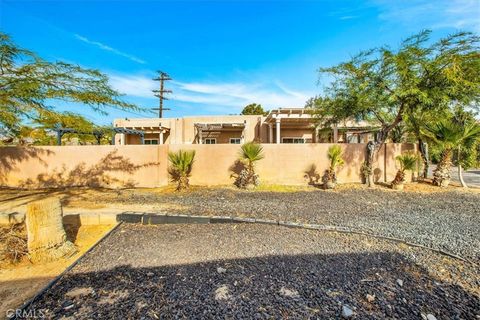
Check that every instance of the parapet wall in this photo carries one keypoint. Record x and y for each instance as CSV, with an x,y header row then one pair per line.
x,y
146,166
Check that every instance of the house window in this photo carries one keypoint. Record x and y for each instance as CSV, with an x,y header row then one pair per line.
x,y
210,141
293,140
235,140
150,141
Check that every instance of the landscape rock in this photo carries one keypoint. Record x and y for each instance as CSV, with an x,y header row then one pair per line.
x,y
222,293
347,312
370,298
291,293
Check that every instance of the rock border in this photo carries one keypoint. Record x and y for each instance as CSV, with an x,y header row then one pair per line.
x,y
159,218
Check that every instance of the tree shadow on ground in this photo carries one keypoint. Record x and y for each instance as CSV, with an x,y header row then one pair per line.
x,y
282,286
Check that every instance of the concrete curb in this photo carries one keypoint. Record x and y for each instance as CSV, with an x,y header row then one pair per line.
x,y
152,218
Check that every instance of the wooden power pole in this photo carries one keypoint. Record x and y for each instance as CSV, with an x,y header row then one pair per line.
x,y
160,94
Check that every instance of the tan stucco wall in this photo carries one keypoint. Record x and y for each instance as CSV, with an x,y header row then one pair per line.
x,y
146,166
108,166
182,130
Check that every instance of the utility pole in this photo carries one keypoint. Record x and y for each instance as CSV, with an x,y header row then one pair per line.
x,y
163,76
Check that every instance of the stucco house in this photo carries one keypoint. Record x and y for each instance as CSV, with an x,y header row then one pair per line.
x,y
284,125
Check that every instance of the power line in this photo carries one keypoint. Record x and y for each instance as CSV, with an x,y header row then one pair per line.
x,y
163,76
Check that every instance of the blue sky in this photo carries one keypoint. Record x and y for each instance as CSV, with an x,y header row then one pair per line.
x,y
222,55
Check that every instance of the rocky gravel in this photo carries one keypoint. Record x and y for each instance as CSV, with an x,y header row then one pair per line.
x,y
244,271
444,220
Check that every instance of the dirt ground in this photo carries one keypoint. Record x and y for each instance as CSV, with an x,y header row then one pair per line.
x,y
22,281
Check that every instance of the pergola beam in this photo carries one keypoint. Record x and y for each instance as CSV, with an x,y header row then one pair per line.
x,y
98,134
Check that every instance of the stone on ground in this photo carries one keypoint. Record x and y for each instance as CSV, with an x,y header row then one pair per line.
x,y
47,240
347,312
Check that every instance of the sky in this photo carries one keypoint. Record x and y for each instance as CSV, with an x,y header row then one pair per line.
x,y
222,55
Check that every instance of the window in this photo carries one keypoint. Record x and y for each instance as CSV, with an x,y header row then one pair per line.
x,y
210,141
150,141
293,140
235,140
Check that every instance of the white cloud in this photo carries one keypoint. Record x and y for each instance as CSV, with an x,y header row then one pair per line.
x,y
108,48
459,14
136,86
223,97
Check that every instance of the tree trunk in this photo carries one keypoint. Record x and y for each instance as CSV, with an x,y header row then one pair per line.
x,y
183,182
47,240
441,175
372,149
460,174
382,135
423,146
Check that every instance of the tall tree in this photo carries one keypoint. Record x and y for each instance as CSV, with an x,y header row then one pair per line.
x,y
253,109
387,85
29,85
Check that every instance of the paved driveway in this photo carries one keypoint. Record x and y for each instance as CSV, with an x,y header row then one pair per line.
x,y
471,177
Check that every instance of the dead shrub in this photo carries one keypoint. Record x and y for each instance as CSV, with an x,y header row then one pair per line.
x,y
13,243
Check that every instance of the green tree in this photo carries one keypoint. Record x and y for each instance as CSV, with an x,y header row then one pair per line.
x,y
253,109
386,86
451,136
29,86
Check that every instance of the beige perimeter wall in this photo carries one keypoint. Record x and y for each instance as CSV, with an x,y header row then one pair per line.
x,y
146,166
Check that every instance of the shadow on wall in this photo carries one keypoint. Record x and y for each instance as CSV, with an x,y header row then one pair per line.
x,y
101,174
236,168
11,157
312,175
280,286
352,154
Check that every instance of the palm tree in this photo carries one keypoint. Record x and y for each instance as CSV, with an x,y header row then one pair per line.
x,y
336,160
181,163
408,162
450,136
250,153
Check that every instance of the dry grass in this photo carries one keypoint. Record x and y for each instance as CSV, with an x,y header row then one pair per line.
x,y
13,243
282,188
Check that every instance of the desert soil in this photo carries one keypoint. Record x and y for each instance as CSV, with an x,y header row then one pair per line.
x,y
20,282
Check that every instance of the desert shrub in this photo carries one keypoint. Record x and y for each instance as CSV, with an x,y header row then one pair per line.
x,y
250,153
408,162
181,163
336,160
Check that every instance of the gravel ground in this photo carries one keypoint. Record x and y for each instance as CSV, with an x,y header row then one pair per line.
x,y
258,271
444,220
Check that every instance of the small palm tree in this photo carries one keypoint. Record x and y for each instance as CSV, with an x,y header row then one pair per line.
x,y
250,153
335,156
449,136
181,163
408,162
